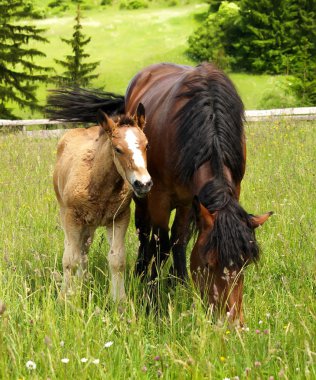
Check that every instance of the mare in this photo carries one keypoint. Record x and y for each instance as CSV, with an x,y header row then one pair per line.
x,y
96,172
197,158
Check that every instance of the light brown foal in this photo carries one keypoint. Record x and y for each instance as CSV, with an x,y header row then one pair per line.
x,y
97,171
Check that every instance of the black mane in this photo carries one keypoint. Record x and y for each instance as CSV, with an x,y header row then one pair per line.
x,y
232,237
209,125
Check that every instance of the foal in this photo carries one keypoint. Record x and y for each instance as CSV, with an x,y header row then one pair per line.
x,y
97,171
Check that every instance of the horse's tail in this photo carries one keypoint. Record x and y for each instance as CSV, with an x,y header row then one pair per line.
x,y
81,105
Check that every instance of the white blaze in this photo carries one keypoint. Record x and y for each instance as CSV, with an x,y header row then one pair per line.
x,y
134,147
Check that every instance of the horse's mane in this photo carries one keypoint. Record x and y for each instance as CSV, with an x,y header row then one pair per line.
x,y
232,237
209,126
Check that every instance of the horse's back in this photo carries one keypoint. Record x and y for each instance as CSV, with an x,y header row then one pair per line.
x,y
152,85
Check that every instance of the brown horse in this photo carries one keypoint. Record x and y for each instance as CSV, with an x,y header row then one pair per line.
x,y
196,157
95,173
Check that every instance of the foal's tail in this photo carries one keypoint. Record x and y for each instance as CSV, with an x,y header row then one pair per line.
x,y
81,105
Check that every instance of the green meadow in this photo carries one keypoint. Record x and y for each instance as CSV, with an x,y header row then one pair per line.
x,y
89,337
124,41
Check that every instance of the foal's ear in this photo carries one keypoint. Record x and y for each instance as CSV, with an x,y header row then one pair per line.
x,y
105,122
258,220
140,116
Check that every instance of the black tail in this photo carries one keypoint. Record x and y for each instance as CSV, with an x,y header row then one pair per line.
x,y
78,104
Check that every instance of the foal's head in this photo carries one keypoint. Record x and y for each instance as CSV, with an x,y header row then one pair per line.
x,y
225,244
129,145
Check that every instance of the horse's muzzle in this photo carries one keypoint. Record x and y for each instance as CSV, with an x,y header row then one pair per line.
x,y
142,188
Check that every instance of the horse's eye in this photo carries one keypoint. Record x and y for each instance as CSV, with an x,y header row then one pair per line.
x,y
118,150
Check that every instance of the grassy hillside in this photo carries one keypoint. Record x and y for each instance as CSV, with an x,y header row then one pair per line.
x,y
124,41
181,342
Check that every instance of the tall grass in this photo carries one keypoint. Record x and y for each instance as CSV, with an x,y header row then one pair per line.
x,y
180,341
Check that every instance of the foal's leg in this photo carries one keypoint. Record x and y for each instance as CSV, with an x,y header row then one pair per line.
x,y
76,246
117,260
179,240
87,239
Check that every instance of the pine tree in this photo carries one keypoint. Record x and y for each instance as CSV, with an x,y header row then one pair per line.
x,y
259,45
77,72
276,35
18,71
302,49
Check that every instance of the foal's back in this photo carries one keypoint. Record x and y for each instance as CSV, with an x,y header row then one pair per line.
x,y
76,153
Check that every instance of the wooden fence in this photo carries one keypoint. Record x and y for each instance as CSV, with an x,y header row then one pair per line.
x,y
303,113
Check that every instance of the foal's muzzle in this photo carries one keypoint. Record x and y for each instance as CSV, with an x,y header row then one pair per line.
x,y
142,188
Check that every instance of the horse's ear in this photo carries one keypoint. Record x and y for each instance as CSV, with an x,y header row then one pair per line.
x,y
140,116
258,220
202,214
105,122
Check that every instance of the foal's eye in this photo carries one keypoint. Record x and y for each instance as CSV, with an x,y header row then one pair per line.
x,y
118,150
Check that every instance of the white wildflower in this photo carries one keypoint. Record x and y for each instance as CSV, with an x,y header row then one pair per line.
x,y
30,364
108,344
83,360
65,360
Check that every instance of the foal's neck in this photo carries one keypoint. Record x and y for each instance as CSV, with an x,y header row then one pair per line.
x,y
103,168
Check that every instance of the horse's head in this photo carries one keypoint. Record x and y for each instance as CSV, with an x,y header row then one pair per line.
x,y
225,244
129,145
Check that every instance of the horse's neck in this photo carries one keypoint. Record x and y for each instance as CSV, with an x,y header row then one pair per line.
x,y
103,168
204,174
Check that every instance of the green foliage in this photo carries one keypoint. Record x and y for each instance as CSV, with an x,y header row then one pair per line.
x,y
19,72
280,96
77,72
133,4
211,41
106,2
268,36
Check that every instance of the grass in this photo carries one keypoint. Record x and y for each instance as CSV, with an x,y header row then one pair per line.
x,y
181,342
125,41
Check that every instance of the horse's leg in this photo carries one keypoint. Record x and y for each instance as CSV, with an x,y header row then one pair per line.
x,y
117,261
75,250
179,240
159,248
143,228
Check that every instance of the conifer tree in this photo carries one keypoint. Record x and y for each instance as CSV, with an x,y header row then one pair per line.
x,y
19,72
77,72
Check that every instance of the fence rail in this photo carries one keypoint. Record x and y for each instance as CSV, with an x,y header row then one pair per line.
x,y
303,113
